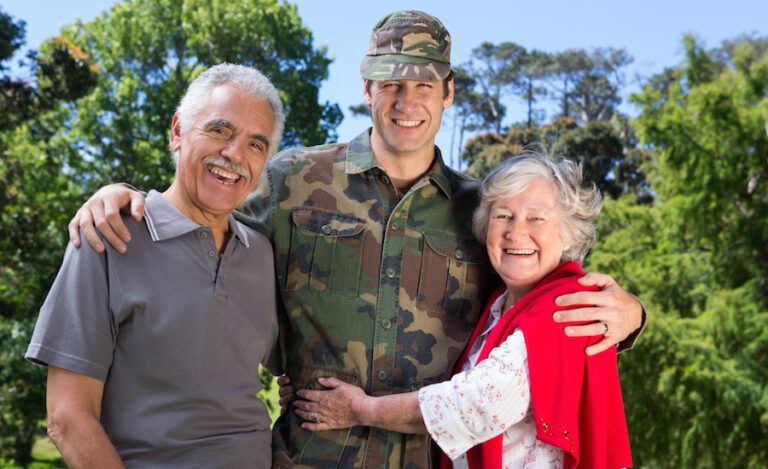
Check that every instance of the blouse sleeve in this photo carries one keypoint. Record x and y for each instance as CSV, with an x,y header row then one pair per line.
x,y
480,403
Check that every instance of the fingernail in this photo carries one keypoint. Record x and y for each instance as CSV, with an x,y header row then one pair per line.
x,y
557,317
569,331
122,249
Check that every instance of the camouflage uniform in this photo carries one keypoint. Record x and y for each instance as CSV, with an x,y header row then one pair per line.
x,y
379,290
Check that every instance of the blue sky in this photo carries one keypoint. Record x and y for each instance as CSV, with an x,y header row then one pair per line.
x,y
650,31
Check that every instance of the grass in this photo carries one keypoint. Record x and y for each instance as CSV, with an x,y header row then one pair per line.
x,y
44,456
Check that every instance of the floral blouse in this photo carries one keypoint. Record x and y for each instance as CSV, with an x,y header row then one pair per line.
x,y
485,400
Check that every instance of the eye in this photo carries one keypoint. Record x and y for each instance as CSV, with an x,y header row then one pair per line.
x,y
258,146
218,131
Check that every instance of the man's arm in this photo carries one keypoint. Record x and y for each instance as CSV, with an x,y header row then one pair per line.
x,y
74,408
102,212
614,307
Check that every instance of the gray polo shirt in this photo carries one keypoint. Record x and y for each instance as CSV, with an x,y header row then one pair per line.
x,y
176,332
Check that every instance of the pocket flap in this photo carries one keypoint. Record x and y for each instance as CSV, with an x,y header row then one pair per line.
x,y
460,249
326,223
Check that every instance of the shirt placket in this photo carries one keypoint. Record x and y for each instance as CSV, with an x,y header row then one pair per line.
x,y
387,311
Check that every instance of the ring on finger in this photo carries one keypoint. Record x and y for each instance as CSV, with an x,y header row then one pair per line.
x,y
605,327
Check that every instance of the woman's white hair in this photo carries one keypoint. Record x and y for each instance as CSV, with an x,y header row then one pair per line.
x,y
248,79
578,204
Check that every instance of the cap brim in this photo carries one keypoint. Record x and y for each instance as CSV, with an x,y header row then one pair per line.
x,y
403,67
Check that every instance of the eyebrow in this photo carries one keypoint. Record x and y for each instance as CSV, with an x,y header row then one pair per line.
x,y
219,122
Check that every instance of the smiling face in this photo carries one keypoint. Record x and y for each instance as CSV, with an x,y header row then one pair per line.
x,y
406,115
221,154
524,242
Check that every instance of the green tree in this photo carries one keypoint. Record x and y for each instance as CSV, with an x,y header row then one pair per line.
x,y
605,149
695,392
587,84
149,51
33,192
707,128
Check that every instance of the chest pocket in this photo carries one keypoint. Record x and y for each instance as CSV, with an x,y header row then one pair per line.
x,y
453,278
325,252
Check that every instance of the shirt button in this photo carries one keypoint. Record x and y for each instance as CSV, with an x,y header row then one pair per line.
x,y
382,375
204,234
385,179
395,226
390,272
459,254
211,254
326,229
386,324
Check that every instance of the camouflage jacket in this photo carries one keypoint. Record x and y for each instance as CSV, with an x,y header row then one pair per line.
x,y
377,290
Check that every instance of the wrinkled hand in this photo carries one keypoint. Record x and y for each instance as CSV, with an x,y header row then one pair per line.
x,y
102,212
612,306
285,391
329,409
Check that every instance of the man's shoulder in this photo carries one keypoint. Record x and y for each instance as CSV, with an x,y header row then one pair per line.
x,y
463,186
326,153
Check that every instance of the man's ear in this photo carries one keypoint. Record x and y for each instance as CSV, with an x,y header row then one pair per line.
x,y
367,91
448,101
175,139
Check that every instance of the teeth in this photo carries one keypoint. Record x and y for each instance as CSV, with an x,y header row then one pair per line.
x,y
223,173
402,123
520,251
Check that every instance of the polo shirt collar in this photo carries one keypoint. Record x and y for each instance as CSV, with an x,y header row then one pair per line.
x,y
360,159
165,221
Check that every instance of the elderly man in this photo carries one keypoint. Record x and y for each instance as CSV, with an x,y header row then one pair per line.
x,y
153,355
381,280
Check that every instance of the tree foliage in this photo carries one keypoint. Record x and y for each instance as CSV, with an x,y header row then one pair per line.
x,y
604,149
695,391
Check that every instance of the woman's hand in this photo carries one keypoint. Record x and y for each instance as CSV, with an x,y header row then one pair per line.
x,y
339,405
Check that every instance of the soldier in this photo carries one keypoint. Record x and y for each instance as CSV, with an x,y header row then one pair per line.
x,y
381,280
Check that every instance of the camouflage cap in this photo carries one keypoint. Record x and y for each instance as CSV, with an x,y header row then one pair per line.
x,y
408,45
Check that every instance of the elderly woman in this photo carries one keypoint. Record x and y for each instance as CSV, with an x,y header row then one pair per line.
x,y
524,394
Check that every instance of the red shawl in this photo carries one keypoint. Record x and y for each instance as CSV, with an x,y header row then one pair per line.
x,y
577,404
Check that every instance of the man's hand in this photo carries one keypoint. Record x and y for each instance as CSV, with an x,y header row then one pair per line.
x,y
285,391
615,312
330,409
102,212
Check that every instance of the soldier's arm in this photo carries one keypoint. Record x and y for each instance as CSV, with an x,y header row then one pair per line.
x,y
101,214
344,405
612,306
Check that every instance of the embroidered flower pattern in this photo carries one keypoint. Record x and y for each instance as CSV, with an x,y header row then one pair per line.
x,y
489,399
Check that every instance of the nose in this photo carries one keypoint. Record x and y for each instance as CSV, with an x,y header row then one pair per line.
x,y
516,228
235,148
406,98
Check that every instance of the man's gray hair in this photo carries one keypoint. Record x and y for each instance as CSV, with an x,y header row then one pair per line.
x,y
248,79
578,204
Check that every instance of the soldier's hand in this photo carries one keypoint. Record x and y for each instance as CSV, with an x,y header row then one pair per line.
x,y
329,409
102,212
285,391
615,313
